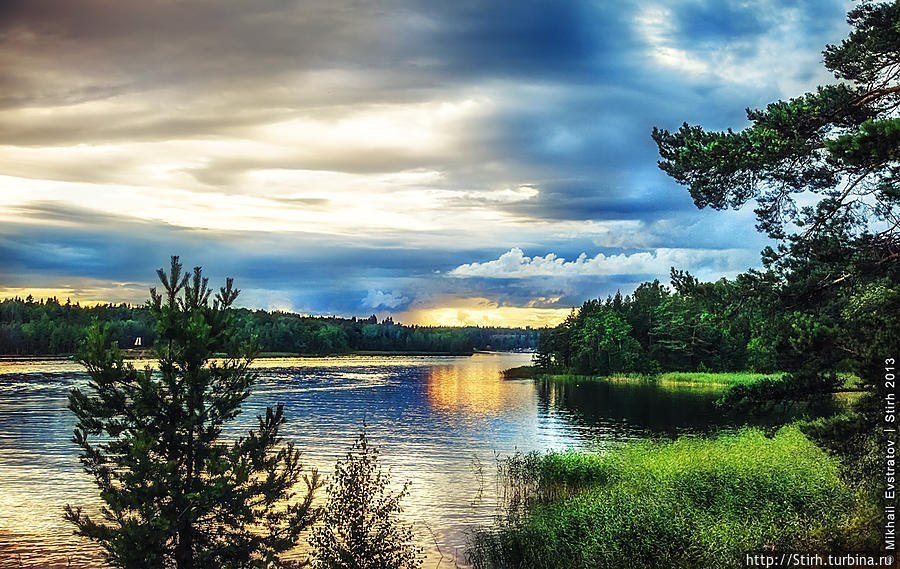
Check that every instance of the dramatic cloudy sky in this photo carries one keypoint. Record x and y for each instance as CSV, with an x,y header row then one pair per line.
x,y
449,162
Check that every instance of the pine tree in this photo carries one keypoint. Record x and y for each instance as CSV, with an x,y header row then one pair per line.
x,y
360,527
176,492
838,147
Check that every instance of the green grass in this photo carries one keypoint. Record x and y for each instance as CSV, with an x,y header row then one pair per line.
x,y
726,379
728,384
690,503
718,380
625,377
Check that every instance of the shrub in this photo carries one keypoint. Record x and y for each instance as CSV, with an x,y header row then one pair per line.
x,y
360,528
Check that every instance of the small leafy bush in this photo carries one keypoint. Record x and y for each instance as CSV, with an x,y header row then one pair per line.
x,y
361,528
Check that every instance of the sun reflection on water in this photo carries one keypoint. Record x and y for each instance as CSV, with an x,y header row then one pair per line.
x,y
476,389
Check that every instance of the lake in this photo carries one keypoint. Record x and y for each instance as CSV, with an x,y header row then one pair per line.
x,y
438,422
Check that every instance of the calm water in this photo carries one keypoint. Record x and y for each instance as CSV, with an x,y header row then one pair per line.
x,y
434,419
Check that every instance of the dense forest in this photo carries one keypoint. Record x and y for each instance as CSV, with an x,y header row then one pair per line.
x,y
688,326
818,308
820,312
48,327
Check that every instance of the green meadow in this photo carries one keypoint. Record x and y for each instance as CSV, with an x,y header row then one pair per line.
x,y
694,502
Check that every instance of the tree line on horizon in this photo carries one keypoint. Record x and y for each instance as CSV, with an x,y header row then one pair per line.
x,y
50,327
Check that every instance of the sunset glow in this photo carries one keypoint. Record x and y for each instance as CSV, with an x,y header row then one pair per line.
x,y
481,312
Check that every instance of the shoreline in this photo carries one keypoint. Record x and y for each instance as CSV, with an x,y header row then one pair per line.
x,y
147,354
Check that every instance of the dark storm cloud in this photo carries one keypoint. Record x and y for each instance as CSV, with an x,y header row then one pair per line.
x,y
83,243
82,236
589,199
563,41
721,21
162,41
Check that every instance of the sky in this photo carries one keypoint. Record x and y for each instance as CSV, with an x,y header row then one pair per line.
x,y
441,162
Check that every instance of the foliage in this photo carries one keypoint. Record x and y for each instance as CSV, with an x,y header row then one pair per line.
x,y
176,494
690,326
521,372
360,528
39,327
688,503
833,279
723,381
838,144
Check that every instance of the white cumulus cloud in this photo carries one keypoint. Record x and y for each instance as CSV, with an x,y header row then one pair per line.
x,y
514,264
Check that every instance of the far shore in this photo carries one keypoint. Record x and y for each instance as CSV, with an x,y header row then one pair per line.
x,y
148,354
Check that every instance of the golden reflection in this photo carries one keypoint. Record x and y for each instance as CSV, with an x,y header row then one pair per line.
x,y
475,388
33,532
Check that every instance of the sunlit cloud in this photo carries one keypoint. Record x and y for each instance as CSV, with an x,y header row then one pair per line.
x,y
344,209
514,264
656,23
382,299
745,44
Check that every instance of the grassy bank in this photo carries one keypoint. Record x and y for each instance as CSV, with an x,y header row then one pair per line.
x,y
695,378
689,503
707,379
727,379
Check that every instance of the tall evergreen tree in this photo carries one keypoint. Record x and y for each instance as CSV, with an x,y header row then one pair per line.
x,y
839,146
176,492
